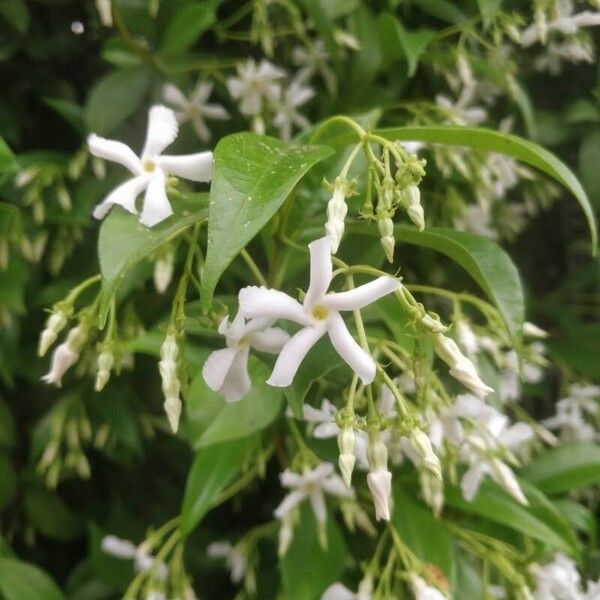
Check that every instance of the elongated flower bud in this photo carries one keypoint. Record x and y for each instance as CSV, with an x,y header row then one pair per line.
x,y
106,361
346,443
336,214
171,385
429,459
163,271
379,478
55,323
66,355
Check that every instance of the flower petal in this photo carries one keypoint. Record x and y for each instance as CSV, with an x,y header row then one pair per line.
x,y
345,345
123,195
337,591
215,112
237,381
174,96
156,204
115,152
162,131
320,271
270,340
325,430
317,501
290,501
258,302
202,131
471,480
335,486
195,167
216,367
292,355
363,294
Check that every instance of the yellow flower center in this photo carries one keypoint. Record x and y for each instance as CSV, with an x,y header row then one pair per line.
x,y
320,312
149,166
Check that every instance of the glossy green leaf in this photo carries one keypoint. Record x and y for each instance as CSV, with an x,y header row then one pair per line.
x,y
485,261
307,569
186,27
22,581
252,177
116,97
494,141
214,467
564,468
538,520
424,534
8,161
51,517
580,517
212,420
124,242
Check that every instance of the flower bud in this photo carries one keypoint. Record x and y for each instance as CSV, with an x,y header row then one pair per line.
x,y
428,458
55,323
336,214
379,478
466,337
506,478
432,489
64,198
171,385
106,360
66,355
286,535
163,271
172,406
346,441
533,331
417,215
433,324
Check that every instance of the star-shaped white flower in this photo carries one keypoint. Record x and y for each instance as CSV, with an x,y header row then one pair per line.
x,y
226,371
234,559
312,484
196,108
286,105
319,314
254,84
149,170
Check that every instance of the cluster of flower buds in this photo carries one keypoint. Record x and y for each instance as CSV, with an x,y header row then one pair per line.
x,y
379,477
171,385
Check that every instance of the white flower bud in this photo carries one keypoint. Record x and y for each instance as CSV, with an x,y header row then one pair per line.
x,y
172,406
117,547
65,355
432,489
336,214
64,198
106,360
388,243
506,478
171,385
99,167
163,272
286,535
417,215
434,325
466,338
346,442
429,459
55,323
380,484
531,330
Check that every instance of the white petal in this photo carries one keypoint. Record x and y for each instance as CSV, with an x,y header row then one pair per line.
x,y
317,501
363,294
271,340
201,92
320,271
202,131
335,486
219,549
162,131
216,367
195,167
237,381
337,591
471,480
292,355
256,302
156,204
174,96
291,479
215,112
123,195
288,503
359,361
118,547
114,151
325,430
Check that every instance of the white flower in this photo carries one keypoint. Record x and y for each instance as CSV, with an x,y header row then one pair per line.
x,y
314,59
461,111
476,219
312,485
127,550
65,355
319,314
558,580
423,591
195,108
285,106
234,559
338,591
226,371
571,412
150,170
255,84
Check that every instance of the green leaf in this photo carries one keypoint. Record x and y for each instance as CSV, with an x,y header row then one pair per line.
x,y
424,534
186,27
397,42
22,581
212,470
307,570
8,481
565,468
8,434
485,261
442,9
579,516
252,177
8,161
319,361
51,517
505,143
115,97
71,112
213,420
16,13
124,242
538,520
589,159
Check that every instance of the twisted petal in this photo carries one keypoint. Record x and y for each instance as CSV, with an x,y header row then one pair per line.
x,y
156,204
320,270
216,367
358,360
174,96
363,294
293,354
317,502
195,167
123,195
471,480
215,112
270,340
335,486
258,302
202,131
115,152
288,503
162,131
237,381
